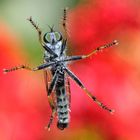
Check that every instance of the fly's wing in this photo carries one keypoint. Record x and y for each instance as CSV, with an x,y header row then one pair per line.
x,y
68,91
51,98
48,78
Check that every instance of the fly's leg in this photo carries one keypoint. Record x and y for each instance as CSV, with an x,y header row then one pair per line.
x,y
74,58
53,108
115,42
51,102
18,68
51,87
64,23
43,66
87,92
47,78
63,47
50,99
53,83
40,37
38,30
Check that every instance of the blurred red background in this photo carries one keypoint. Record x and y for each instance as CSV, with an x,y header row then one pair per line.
x,y
113,76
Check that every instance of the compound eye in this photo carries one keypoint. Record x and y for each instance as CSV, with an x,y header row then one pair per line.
x,y
58,36
52,37
47,38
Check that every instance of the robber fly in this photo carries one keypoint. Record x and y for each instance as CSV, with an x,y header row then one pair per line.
x,y
57,73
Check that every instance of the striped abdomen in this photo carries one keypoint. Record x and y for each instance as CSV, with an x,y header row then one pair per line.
x,y
62,103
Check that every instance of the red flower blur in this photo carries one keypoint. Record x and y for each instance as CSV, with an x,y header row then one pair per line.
x,y
112,75
20,116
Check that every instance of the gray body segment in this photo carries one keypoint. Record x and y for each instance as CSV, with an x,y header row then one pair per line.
x,y
62,99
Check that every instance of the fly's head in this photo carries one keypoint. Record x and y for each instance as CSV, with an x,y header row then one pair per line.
x,y
53,40
52,37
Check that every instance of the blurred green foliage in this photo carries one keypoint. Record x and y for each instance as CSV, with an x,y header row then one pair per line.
x,y
44,12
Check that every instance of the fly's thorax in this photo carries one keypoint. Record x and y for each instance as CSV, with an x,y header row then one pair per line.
x,y
56,47
60,65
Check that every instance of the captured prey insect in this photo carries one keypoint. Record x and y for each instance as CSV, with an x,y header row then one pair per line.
x,y
57,73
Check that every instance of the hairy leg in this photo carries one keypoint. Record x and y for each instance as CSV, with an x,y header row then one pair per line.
x,y
43,66
87,92
37,28
73,58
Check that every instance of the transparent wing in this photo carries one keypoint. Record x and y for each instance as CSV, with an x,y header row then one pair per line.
x,y
48,78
